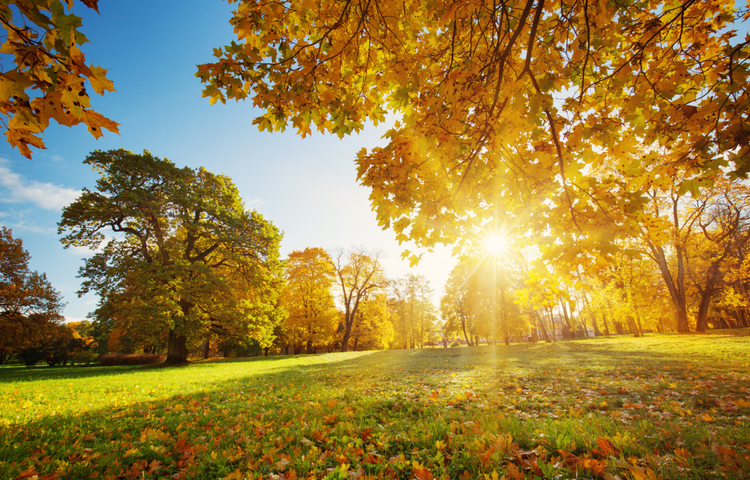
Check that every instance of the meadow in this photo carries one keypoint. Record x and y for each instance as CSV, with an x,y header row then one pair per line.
x,y
663,406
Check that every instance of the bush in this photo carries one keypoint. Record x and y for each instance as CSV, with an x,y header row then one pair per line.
x,y
455,344
130,359
31,356
84,356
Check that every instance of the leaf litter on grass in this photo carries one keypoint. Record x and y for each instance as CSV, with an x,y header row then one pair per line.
x,y
579,409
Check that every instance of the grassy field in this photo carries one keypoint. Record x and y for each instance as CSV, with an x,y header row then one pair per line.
x,y
664,406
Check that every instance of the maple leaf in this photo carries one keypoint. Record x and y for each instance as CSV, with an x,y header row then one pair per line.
x,y
643,473
99,81
93,4
606,448
96,121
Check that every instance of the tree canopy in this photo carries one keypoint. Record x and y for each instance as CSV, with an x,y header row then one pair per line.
x,y
188,259
28,302
504,109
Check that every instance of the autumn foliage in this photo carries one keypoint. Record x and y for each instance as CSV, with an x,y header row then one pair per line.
x,y
50,75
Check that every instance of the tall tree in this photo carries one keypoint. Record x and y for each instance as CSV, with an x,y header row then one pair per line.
x,y
510,102
415,314
359,274
373,329
308,299
466,307
188,258
28,302
49,74
723,232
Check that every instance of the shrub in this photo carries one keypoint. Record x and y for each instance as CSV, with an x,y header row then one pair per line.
x,y
130,359
455,344
84,356
31,356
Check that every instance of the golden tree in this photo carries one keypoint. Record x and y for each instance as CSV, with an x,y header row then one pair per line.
x,y
502,108
307,297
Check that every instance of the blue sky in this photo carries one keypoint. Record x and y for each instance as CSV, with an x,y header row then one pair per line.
x,y
307,187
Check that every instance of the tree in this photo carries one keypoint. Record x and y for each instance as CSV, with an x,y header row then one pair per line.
x,y
465,308
501,104
189,260
373,330
311,314
28,302
49,77
724,230
359,275
415,314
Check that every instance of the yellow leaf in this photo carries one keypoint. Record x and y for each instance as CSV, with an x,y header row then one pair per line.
x,y
96,121
99,80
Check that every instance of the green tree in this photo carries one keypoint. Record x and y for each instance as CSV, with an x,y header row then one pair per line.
x,y
28,302
188,260
48,75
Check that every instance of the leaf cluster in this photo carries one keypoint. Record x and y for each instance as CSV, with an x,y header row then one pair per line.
x,y
49,74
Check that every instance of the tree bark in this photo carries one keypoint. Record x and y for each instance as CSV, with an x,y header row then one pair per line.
x,y
207,347
176,349
463,327
702,324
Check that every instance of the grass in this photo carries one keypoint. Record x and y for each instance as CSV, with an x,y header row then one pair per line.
x,y
664,406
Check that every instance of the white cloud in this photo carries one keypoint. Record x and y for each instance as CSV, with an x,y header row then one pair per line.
x,y
24,226
14,188
254,204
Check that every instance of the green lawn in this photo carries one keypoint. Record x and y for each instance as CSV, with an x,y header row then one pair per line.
x,y
664,406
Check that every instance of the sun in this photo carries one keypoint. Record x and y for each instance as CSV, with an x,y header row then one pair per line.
x,y
495,244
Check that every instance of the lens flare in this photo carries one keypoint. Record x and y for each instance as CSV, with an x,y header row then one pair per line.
x,y
496,244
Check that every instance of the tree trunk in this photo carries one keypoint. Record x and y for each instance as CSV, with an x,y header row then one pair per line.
x,y
633,326
176,349
207,347
466,337
703,310
345,340
540,320
676,288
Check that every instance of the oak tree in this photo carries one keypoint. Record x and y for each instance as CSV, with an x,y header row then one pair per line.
x,y
48,76
187,259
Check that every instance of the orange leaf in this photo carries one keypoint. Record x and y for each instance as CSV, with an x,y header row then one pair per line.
x,y
96,121
606,448
28,473
514,473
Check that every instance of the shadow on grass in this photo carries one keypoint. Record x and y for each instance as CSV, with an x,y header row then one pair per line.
x,y
519,354
17,373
